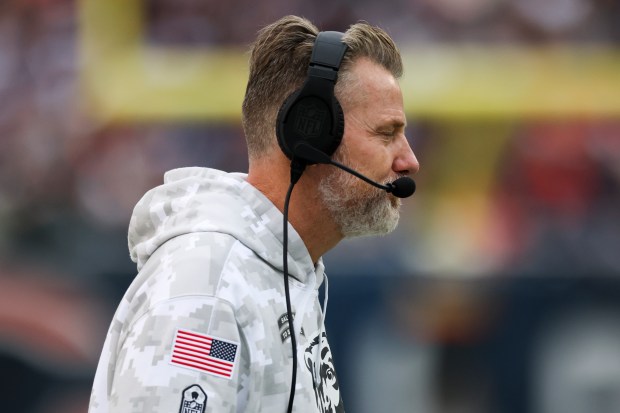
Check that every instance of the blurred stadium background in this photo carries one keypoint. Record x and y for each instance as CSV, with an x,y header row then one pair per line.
x,y
500,291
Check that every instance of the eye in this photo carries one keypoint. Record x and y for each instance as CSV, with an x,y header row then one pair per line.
x,y
387,135
387,132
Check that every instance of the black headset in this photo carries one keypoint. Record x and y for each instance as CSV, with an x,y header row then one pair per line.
x,y
312,114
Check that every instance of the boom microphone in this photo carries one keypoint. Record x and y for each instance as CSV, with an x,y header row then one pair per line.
x,y
402,187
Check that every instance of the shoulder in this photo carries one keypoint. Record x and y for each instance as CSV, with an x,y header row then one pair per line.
x,y
194,264
202,270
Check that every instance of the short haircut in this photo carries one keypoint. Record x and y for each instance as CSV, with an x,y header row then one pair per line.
x,y
279,60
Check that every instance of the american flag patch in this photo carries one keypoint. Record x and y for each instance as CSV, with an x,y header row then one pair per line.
x,y
204,353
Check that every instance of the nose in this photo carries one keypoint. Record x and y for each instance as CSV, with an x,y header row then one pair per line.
x,y
405,161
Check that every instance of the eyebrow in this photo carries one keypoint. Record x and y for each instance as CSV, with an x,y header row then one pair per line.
x,y
393,123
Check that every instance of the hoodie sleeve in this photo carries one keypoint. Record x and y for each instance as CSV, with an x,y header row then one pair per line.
x,y
184,354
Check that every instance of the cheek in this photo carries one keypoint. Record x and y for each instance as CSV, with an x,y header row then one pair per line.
x,y
370,160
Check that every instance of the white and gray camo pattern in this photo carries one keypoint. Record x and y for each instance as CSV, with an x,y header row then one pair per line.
x,y
208,247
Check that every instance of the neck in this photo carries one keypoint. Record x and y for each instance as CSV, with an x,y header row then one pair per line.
x,y
307,214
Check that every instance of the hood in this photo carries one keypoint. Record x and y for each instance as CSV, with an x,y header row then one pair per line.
x,y
206,200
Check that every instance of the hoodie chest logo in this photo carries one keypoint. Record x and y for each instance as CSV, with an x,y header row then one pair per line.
x,y
327,393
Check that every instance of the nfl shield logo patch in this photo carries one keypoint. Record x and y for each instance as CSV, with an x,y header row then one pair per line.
x,y
194,400
310,119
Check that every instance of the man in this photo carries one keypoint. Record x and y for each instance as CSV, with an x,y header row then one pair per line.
x,y
204,326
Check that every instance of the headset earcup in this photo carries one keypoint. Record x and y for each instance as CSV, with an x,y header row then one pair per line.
x,y
284,140
311,119
312,115
338,127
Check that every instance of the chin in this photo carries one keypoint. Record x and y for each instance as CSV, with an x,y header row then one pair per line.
x,y
359,209
371,217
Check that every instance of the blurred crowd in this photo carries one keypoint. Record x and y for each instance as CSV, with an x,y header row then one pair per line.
x,y
69,181
409,21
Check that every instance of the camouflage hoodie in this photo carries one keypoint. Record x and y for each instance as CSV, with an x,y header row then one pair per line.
x,y
203,326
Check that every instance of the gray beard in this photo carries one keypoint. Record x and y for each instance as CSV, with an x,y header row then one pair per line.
x,y
358,208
